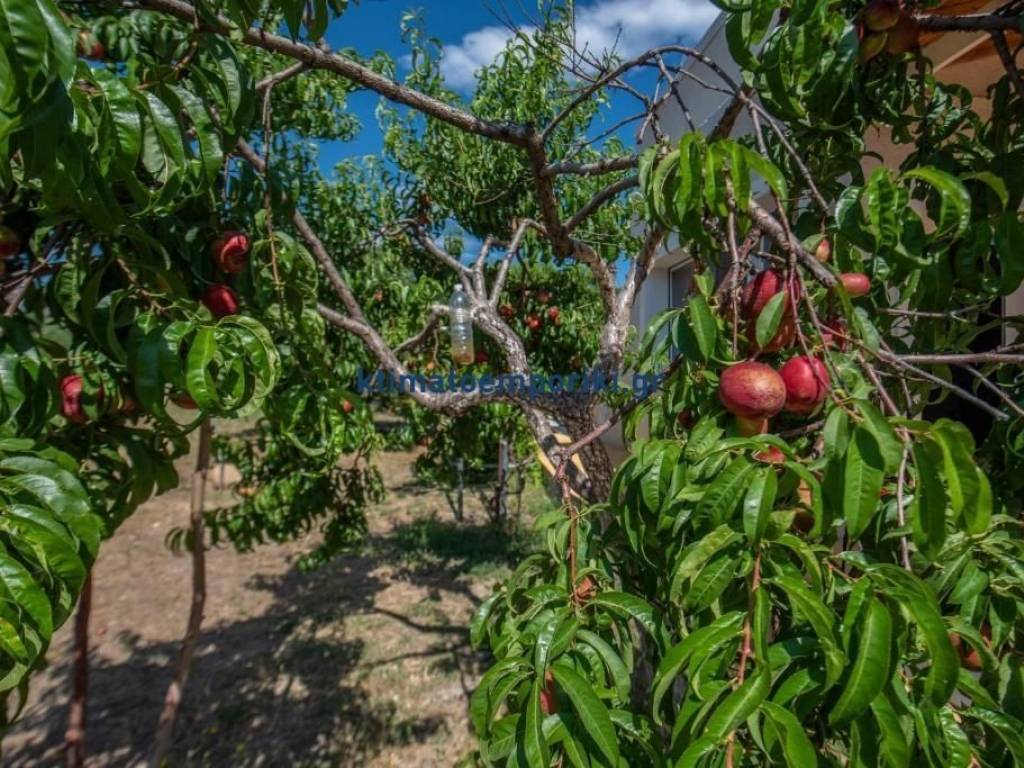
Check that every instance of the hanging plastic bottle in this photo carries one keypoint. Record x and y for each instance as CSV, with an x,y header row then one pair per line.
x,y
461,323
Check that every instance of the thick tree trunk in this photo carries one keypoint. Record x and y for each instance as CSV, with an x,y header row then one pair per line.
x,y
579,423
172,699
576,420
599,467
74,737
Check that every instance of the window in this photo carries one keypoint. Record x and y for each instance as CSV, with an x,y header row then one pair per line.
x,y
679,280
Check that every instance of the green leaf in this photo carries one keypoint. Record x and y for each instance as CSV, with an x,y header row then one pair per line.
x,y
768,171
759,502
24,592
739,705
613,662
722,629
993,182
694,557
889,444
722,496
709,584
694,753
486,697
1009,239
836,434
480,617
796,746
591,712
690,175
893,743
532,743
705,328
1010,729
954,215
198,377
928,508
968,488
863,475
769,319
871,667
629,606
810,606
918,598
665,170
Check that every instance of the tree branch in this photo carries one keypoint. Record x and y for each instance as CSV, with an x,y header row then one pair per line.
x,y
594,204
774,229
436,313
978,22
596,168
349,69
1009,62
506,261
172,700
969,358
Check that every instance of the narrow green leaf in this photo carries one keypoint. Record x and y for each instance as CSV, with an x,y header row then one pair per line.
x,y
796,746
591,712
739,705
705,328
863,475
928,509
871,665
759,502
810,606
769,320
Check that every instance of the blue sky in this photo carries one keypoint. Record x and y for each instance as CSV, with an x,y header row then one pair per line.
x,y
472,31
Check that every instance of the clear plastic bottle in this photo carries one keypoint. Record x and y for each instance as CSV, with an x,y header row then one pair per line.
x,y
461,323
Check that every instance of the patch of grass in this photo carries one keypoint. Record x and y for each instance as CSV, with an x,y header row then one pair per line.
x,y
432,545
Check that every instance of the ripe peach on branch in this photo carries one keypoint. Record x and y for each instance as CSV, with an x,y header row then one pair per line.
x,y
753,392
806,380
220,300
71,406
230,251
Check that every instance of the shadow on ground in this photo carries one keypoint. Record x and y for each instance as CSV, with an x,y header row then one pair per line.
x,y
288,687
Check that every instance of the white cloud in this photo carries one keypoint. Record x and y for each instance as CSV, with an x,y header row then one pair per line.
x,y
630,26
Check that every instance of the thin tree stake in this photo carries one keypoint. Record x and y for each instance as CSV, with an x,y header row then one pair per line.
x,y
172,700
74,738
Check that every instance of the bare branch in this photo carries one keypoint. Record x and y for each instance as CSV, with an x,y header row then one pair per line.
x,y
996,390
629,64
437,311
421,236
1009,62
969,358
506,261
594,204
350,70
478,266
979,22
673,86
774,229
595,168
279,77
959,391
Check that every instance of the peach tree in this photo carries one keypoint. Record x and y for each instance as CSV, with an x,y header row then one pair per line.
x,y
812,554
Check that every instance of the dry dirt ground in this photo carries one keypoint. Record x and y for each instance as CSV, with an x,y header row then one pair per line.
x,y
364,662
